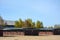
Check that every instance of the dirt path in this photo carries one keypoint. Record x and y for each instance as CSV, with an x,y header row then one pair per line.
x,y
56,37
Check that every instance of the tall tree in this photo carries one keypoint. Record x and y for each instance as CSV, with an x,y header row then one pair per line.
x,y
28,23
17,24
20,22
33,25
39,24
1,21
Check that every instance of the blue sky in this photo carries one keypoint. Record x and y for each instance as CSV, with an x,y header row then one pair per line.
x,y
47,11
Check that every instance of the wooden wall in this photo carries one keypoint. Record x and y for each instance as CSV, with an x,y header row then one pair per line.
x,y
13,33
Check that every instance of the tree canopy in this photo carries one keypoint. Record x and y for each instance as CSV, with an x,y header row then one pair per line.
x,y
28,23
1,21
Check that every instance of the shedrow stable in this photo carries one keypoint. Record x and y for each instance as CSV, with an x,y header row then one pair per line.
x,y
28,31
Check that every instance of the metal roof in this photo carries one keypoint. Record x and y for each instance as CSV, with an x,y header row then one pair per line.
x,y
45,28
27,29
12,28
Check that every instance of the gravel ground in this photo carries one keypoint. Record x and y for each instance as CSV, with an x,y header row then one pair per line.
x,y
50,37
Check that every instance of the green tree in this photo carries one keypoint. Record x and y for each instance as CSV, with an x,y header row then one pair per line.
x,y
20,23
39,24
17,24
28,23
1,21
33,25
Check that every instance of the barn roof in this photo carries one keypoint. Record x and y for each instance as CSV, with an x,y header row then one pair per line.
x,y
27,29
12,28
45,28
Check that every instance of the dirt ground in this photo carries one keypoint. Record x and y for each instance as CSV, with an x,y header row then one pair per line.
x,y
49,37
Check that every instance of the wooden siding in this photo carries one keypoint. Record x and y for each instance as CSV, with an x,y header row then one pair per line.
x,y
12,33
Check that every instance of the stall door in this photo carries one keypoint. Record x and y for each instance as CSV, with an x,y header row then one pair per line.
x,y
57,32
31,32
1,33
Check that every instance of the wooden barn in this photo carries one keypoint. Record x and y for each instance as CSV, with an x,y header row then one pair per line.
x,y
13,31
28,31
45,31
31,31
56,31
1,31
